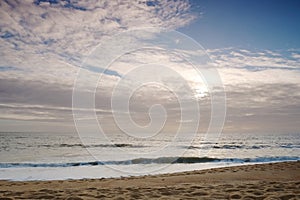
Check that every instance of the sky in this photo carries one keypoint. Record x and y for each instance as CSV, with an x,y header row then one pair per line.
x,y
246,24
54,50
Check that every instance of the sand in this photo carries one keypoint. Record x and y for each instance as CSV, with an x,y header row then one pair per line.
x,y
263,181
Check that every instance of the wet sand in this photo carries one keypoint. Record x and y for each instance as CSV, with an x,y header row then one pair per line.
x,y
263,181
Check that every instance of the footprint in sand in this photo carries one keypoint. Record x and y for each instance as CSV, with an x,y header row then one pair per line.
x,y
287,197
235,196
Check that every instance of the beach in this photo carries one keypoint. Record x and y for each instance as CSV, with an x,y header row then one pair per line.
x,y
260,181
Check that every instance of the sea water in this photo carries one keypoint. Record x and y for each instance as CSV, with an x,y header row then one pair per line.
x,y
57,156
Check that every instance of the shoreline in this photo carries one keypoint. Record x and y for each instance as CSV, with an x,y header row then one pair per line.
x,y
278,180
89,170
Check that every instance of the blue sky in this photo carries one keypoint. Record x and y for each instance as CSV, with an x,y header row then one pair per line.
x,y
255,24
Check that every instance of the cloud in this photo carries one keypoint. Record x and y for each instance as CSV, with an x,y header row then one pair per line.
x,y
73,28
296,56
261,59
43,44
264,108
262,88
240,66
259,68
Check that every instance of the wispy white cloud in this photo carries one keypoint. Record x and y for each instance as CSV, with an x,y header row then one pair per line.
x,y
73,28
262,59
47,40
296,56
44,42
262,82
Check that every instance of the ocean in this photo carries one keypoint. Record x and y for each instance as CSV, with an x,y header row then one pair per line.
x,y
56,156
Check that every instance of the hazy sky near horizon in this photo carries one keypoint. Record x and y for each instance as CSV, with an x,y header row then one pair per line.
x,y
255,46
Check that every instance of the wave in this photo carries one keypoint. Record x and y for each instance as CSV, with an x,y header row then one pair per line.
x,y
235,146
160,160
120,145
203,146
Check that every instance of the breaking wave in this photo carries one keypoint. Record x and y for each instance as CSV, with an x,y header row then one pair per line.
x,y
160,160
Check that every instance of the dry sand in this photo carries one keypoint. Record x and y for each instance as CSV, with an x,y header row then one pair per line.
x,y
264,181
